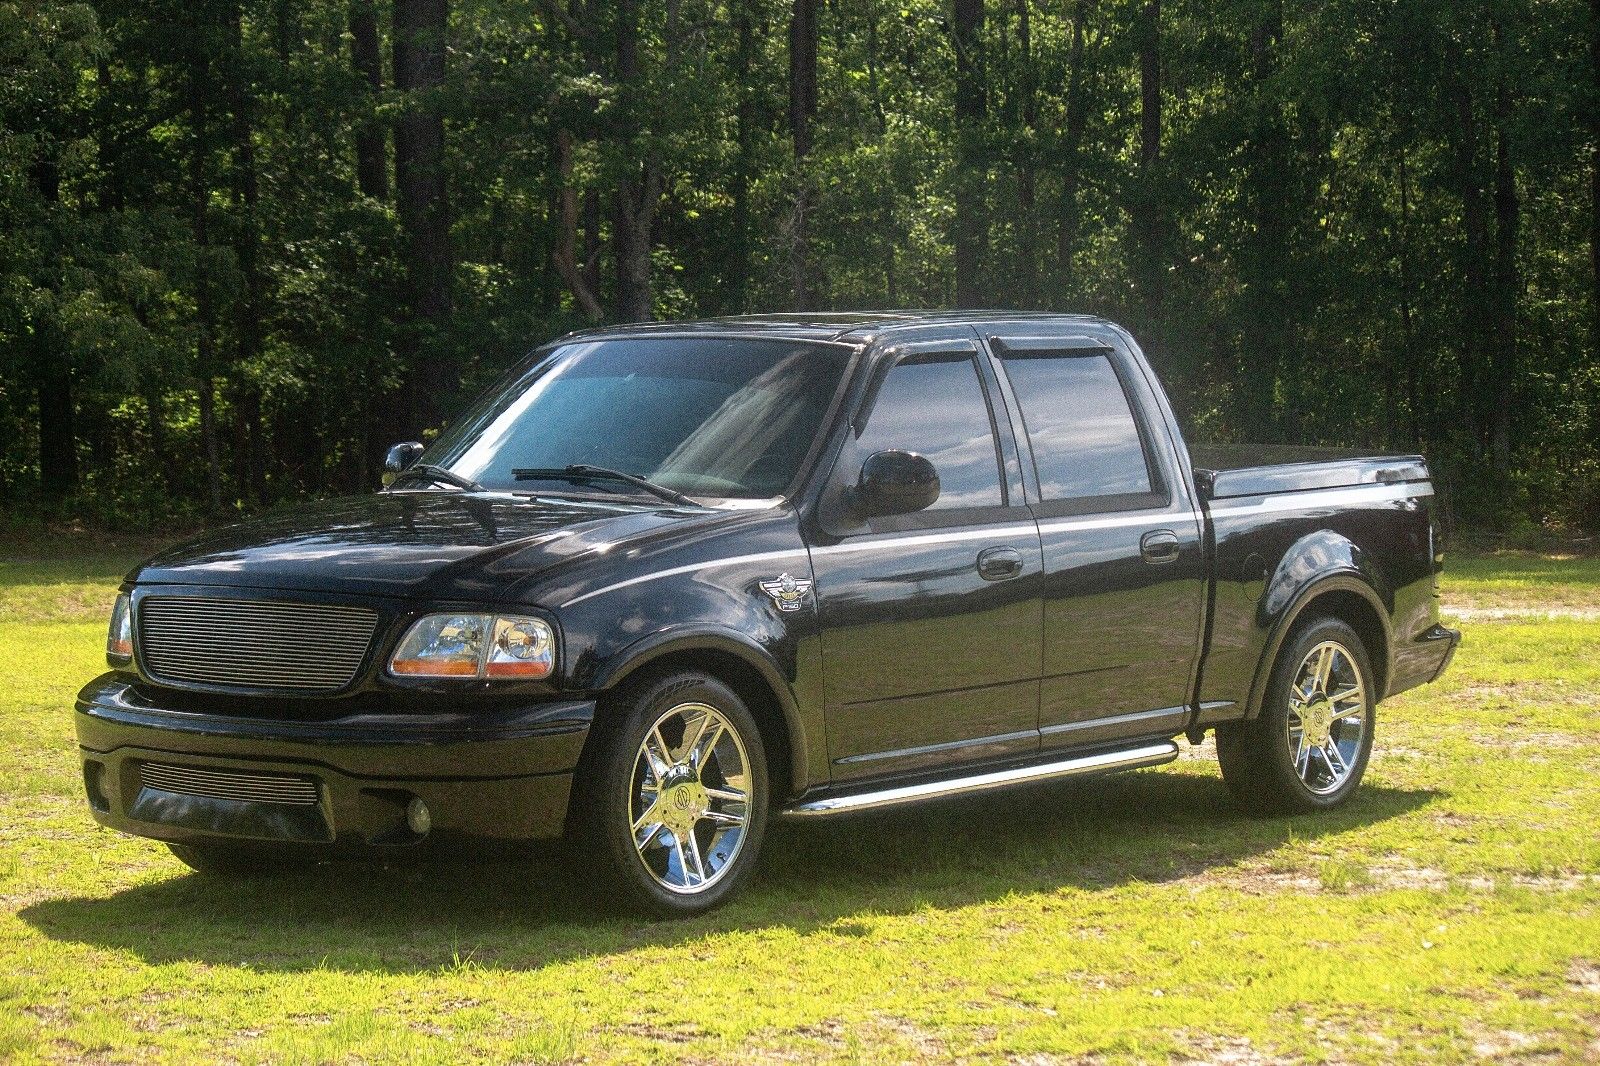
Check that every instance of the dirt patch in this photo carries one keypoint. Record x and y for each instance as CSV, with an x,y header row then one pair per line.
x,y
1584,975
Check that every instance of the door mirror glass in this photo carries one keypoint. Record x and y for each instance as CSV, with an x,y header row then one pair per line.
x,y
401,456
894,482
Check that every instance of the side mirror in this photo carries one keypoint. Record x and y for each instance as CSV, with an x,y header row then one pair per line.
x,y
401,456
894,482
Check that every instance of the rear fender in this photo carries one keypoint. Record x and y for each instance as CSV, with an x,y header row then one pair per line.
x,y
1314,566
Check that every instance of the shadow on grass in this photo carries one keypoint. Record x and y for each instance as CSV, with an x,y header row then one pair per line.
x,y
1091,836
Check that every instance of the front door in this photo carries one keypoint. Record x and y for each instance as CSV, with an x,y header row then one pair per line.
x,y
931,621
1124,561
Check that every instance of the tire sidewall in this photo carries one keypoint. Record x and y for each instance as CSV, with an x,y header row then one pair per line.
x,y
1275,711
607,795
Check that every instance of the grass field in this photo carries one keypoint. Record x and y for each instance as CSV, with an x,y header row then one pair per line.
x,y
1451,912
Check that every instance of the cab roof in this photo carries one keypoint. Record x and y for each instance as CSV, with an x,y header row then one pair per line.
x,y
846,326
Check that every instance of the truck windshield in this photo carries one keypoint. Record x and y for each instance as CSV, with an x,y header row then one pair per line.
x,y
729,418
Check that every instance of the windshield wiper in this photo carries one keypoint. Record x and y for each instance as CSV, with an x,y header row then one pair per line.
x,y
438,475
583,472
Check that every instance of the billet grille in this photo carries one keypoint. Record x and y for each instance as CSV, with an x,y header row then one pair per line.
x,y
229,784
254,644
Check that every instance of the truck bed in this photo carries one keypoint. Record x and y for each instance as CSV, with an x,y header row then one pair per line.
x,y
1235,470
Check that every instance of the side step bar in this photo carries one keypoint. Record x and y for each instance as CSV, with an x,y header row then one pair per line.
x,y
1153,754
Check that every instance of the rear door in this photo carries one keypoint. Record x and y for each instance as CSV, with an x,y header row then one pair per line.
x,y
1124,561
931,620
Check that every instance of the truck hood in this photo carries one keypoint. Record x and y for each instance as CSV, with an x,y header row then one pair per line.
x,y
434,545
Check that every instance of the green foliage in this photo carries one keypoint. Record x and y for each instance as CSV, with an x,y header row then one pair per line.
x,y
202,306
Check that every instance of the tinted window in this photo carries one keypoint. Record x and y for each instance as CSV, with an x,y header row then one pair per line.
x,y
1085,440
706,416
935,407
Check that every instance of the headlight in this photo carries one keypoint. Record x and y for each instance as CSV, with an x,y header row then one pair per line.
x,y
119,638
476,646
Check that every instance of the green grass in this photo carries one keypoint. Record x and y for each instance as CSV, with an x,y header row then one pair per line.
x,y
1451,912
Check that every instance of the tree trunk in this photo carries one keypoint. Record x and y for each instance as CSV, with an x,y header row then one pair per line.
x,y
1503,344
574,273
200,93
372,150
1476,319
1071,143
1149,278
1027,222
738,271
419,65
1594,171
1266,328
247,196
971,107
639,191
802,108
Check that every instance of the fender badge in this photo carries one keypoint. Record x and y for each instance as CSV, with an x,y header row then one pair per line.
x,y
786,591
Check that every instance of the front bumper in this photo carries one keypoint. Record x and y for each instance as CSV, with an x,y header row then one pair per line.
x,y
487,778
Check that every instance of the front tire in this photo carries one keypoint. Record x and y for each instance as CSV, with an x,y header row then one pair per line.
x,y
671,803
1308,748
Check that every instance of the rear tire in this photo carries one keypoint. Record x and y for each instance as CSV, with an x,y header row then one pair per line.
x,y
670,802
1308,748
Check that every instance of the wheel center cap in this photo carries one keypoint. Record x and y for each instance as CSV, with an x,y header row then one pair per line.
x,y
1318,719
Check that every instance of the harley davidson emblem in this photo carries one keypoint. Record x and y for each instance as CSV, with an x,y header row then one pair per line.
x,y
787,591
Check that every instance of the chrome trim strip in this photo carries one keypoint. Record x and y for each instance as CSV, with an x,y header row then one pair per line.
x,y
1153,518
1127,759
934,749
689,568
898,540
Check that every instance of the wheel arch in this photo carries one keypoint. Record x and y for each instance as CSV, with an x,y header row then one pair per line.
x,y
745,667
1347,595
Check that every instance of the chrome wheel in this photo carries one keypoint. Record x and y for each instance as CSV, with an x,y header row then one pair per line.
x,y
689,805
1327,717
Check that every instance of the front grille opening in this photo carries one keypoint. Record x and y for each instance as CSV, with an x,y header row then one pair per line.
x,y
304,647
230,784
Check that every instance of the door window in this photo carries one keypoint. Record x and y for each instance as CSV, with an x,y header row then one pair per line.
x,y
934,404
1085,437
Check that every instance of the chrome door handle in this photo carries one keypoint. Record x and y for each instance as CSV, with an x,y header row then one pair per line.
x,y
997,564
1159,546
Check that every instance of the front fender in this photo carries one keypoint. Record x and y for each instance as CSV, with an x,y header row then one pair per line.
x,y
1317,564
623,664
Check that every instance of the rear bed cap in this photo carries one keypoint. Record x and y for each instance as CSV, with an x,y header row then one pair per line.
x,y
1232,471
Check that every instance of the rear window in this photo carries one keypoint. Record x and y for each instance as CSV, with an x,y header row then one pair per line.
x,y
1084,435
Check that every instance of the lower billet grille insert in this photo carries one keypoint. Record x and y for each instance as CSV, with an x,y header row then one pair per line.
x,y
306,647
229,784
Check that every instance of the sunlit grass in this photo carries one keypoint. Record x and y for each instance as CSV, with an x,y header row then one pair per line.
x,y
1451,912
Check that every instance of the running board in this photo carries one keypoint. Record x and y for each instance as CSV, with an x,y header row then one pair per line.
x,y
1102,762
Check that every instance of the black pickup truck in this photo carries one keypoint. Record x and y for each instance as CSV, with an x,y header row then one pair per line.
x,y
667,581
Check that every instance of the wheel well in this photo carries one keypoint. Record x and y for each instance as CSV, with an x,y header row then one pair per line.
x,y
747,682
1355,611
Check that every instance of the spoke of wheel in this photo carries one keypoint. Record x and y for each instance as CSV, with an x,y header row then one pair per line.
x,y
683,864
1336,763
700,752
690,745
1353,693
648,822
732,795
723,818
1302,761
1323,669
691,846
660,756
1350,711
